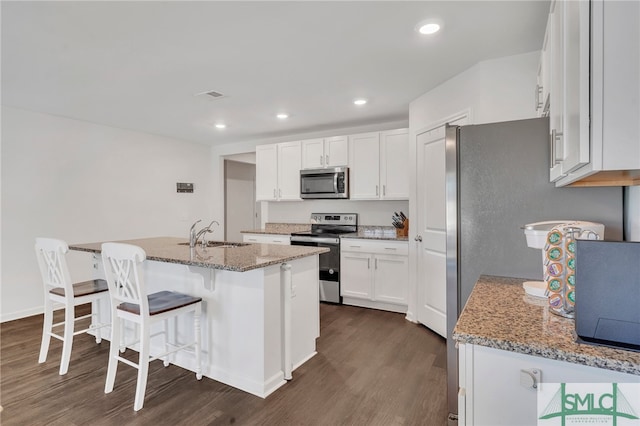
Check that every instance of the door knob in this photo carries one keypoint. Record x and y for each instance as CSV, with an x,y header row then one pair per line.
x,y
418,238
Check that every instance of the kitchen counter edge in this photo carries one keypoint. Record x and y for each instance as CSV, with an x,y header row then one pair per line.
x,y
499,314
244,258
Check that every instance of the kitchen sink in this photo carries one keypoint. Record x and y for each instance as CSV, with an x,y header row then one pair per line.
x,y
219,244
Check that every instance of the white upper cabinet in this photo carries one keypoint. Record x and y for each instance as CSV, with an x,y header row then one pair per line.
x,y
394,173
266,172
593,50
327,152
364,166
567,40
378,165
312,153
289,164
544,75
278,172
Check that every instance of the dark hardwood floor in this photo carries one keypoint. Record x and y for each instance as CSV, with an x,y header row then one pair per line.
x,y
372,368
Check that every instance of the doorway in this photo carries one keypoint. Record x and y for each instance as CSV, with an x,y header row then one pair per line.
x,y
240,211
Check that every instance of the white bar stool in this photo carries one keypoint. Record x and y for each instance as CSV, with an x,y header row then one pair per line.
x,y
130,302
58,288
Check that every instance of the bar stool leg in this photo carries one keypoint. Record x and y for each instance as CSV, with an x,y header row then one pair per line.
x,y
95,315
196,327
67,343
113,352
143,367
165,324
47,325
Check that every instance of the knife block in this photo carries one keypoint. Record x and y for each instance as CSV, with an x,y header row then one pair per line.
x,y
404,231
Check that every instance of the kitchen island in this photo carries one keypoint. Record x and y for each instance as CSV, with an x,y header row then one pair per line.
x,y
260,306
511,346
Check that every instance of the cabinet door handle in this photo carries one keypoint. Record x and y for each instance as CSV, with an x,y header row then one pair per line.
x,y
538,93
321,163
558,149
279,193
274,193
556,152
552,144
377,190
376,263
390,248
384,189
326,162
369,263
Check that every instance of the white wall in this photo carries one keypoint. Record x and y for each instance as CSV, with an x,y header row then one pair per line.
x,y
83,182
494,90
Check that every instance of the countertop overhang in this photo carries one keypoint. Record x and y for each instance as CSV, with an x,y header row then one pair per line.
x,y
500,315
237,259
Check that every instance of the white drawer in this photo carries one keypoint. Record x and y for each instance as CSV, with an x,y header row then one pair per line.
x,y
267,239
374,246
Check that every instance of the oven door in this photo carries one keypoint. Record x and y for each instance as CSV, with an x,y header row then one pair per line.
x,y
329,265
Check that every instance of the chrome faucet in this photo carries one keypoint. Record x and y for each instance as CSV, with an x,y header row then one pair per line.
x,y
194,236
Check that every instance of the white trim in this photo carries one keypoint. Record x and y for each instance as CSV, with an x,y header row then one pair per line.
x,y
12,316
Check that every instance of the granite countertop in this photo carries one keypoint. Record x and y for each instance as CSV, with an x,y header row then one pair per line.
x,y
280,228
238,259
376,233
499,314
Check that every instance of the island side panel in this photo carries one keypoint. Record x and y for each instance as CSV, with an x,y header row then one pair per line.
x,y
240,307
305,309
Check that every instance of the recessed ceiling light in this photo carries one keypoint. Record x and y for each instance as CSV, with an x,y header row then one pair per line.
x,y
429,29
282,116
429,26
221,126
360,101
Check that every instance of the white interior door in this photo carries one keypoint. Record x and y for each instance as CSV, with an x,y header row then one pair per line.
x,y
431,227
432,298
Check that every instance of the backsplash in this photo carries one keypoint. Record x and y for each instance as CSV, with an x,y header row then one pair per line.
x,y
372,213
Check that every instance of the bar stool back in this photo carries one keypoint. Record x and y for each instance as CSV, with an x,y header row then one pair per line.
x,y
58,288
130,302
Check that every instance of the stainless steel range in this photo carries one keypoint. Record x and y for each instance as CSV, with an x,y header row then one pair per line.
x,y
326,229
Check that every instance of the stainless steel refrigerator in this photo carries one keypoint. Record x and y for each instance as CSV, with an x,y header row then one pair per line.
x,y
497,180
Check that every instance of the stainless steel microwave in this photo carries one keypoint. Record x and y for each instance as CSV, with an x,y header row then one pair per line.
x,y
332,182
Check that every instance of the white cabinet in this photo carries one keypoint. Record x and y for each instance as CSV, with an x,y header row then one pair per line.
x,y
327,152
595,85
544,75
378,165
568,43
278,172
495,384
374,273
364,166
266,172
284,240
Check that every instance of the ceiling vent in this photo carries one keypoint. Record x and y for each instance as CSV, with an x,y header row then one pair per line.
x,y
211,94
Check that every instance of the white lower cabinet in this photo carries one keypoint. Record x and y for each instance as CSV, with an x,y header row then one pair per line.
x,y
496,386
284,240
374,274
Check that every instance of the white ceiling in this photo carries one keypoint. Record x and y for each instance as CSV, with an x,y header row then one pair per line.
x,y
138,65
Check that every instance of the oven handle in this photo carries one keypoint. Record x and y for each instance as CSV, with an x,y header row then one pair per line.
x,y
335,241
